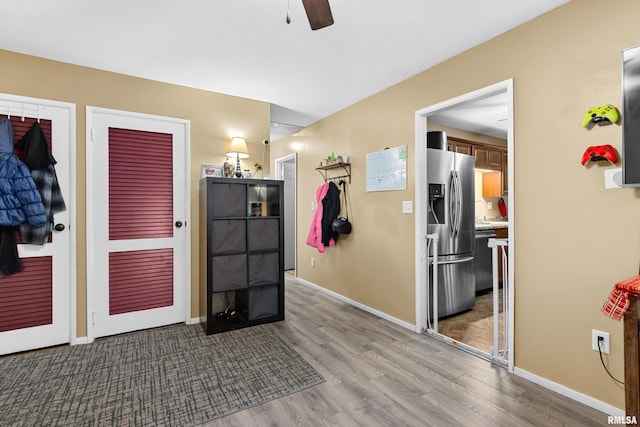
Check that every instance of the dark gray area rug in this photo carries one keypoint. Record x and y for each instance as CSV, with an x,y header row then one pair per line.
x,y
171,376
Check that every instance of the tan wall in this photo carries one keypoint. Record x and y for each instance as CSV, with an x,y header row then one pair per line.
x,y
214,119
573,239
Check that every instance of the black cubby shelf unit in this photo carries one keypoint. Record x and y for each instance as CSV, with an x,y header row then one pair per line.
x,y
241,253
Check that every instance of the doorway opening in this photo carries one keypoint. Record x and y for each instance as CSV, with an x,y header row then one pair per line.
x,y
286,170
481,119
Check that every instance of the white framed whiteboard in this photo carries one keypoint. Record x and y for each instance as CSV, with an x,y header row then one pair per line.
x,y
387,169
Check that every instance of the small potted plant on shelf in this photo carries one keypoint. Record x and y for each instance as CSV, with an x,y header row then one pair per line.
x,y
258,169
332,159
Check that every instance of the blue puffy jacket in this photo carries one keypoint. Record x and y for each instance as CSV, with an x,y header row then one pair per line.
x,y
20,201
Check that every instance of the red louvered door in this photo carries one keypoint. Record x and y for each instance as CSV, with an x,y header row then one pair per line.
x,y
35,303
139,213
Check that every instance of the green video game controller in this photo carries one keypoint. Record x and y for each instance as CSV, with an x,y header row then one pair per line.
x,y
600,115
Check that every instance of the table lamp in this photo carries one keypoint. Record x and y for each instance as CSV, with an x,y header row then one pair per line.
x,y
238,149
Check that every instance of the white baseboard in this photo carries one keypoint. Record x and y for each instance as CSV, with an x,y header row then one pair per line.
x,y
86,340
80,341
570,393
361,306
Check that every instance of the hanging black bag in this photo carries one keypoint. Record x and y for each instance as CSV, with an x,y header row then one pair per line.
x,y
341,224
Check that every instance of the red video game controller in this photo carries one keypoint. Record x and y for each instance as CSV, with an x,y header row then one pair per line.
x,y
600,152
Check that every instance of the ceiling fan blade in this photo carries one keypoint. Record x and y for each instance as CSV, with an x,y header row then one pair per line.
x,y
319,13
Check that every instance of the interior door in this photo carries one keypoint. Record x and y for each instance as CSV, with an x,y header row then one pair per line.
x,y
286,171
35,303
138,276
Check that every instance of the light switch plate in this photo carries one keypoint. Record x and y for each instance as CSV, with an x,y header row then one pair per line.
x,y
407,206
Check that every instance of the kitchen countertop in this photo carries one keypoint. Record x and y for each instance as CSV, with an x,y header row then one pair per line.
x,y
491,225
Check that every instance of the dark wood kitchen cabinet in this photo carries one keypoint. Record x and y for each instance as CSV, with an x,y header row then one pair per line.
x,y
505,173
241,253
488,157
496,184
459,146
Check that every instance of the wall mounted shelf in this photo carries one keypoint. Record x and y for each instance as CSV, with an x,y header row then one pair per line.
x,y
324,171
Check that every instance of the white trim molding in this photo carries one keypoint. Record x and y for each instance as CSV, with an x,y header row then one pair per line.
x,y
421,246
570,393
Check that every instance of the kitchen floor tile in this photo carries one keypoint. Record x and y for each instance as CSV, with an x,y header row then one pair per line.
x,y
474,327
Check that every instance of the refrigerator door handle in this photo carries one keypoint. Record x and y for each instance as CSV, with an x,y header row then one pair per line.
x,y
457,261
452,203
455,203
460,202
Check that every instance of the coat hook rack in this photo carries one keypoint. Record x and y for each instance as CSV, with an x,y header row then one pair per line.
x,y
324,171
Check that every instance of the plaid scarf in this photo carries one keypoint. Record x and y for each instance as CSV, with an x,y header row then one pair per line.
x,y
618,301
47,184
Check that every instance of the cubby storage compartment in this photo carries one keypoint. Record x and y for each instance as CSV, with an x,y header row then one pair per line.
x,y
241,253
264,200
263,234
228,200
228,272
229,309
264,268
263,302
228,236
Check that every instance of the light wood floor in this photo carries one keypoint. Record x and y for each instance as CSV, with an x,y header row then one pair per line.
x,y
379,374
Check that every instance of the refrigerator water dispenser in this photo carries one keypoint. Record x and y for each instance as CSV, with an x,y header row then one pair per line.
x,y
436,203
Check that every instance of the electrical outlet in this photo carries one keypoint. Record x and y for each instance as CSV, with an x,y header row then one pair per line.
x,y
489,205
613,178
605,345
313,262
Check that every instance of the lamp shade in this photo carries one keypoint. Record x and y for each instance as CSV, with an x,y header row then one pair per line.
x,y
238,148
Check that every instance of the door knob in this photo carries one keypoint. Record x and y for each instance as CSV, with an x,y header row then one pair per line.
x,y
58,227
178,224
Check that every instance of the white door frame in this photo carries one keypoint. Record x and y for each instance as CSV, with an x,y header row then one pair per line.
x,y
279,163
421,121
33,108
91,261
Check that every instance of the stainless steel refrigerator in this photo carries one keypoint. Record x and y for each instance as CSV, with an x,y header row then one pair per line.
x,y
451,215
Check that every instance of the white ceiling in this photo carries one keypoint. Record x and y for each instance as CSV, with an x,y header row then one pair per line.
x,y
245,48
486,116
